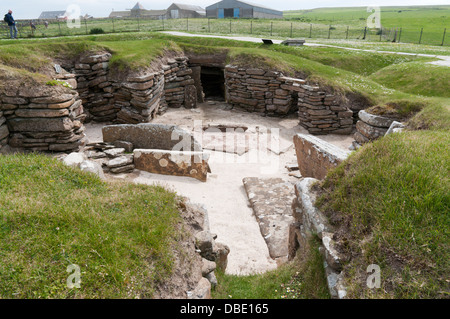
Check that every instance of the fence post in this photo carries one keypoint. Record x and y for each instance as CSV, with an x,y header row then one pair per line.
x,y
251,26
209,27
400,34
162,23
346,34
443,37
291,29
59,26
420,38
365,32
329,31
230,25
381,32
271,25
310,30
114,29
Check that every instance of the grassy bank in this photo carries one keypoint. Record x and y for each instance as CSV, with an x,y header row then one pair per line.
x,y
122,236
393,203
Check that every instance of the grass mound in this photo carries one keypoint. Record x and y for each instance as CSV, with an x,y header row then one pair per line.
x,y
122,236
392,204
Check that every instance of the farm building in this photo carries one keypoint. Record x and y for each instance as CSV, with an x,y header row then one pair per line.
x,y
178,10
139,11
241,9
48,15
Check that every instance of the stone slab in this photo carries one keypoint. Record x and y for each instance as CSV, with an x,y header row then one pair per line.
x,y
190,164
315,156
271,200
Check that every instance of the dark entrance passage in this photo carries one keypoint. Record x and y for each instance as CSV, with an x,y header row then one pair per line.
x,y
213,83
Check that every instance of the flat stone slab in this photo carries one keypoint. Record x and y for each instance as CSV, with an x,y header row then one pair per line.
x,y
235,143
151,136
271,200
190,164
315,156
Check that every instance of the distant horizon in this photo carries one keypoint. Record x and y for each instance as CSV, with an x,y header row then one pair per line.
x,y
29,9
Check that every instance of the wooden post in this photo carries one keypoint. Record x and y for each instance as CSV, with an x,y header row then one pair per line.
x,y
209,27
346,34
329,31
291,29
365,32
114,30
399,35
251,26
271,25
310,30
443,37
420,38
230,25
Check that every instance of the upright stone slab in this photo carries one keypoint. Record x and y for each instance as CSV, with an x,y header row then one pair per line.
x,y
315,156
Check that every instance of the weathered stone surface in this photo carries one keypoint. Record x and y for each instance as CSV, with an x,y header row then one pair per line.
x,y
315,156
40,124
369,131
395,125
4,132
120,161
190,164
190,97
128,146
114,152
202,291
207,266
74,159
122,169
41,113
271,200
92,167
152,136
374,120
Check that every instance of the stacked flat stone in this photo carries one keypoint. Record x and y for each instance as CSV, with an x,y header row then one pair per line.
x,y
4,132
271,93
370,127
42,121
139,98
115,158
322,113
95,88
179,88
255,90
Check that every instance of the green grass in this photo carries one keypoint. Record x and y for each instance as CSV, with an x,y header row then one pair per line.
x,y
122,236
394,193
302,278
314,24
415,78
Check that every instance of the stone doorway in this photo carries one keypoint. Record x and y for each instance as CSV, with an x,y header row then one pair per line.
x,y
213,83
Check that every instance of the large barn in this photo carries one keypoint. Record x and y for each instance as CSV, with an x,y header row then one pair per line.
x,y
178,10
241,9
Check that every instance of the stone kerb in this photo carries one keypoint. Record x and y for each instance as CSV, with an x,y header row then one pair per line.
x,y
310,220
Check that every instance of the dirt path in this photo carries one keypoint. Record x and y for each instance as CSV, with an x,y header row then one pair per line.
x,y
443,60
223,195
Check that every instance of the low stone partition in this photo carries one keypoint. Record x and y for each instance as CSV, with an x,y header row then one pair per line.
x,y
315,156
161,149
311,221
272,93
370,127
42,118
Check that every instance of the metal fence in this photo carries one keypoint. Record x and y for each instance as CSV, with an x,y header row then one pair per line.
x,y
256,27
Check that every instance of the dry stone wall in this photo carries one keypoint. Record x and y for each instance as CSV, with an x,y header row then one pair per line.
x,y
271,93
42,119
179,86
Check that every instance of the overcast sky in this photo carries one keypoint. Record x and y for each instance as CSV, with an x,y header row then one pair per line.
x,y
28,9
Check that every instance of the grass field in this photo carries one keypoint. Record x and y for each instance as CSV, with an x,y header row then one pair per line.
x,y
322,23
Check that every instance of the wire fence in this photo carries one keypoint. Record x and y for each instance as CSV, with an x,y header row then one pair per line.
x,y
256,27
